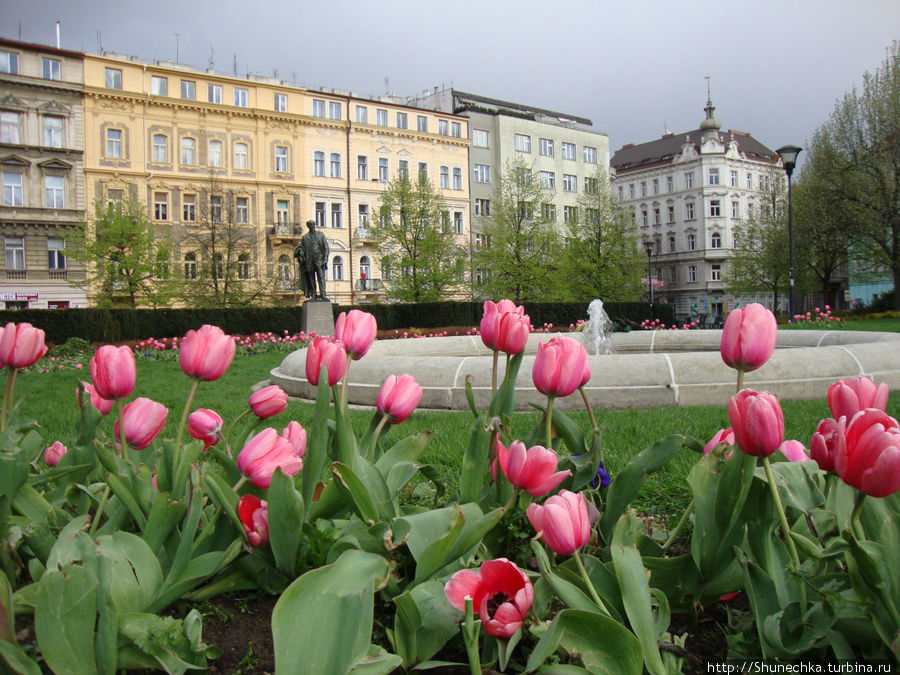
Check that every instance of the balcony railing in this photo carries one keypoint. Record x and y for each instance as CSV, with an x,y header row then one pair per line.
x,y
286,285
366,285
287,229
15,274
59,274
363,234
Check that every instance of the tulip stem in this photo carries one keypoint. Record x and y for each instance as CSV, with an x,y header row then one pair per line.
x,y
740,379
587,580
679,527
590,410
184,415
236,420
8,396
239,484
375,434
343,402
855,522
786,528
99,512
494,373
120,408
550,422
470,631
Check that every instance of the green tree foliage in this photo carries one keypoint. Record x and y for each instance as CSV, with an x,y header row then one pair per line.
x,y
601,258
519,242
125,256
416,243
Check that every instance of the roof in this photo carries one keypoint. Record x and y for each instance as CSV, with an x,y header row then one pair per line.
x,y
463,100
664,149
46,49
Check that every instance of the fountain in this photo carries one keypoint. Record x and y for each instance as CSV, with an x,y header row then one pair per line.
x,y
595,335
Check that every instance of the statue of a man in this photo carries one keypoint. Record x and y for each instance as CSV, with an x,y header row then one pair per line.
x,y
312,257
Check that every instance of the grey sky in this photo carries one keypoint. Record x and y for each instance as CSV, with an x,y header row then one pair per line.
x,y
632,66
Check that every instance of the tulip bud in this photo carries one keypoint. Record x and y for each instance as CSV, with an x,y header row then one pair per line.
x,y
794,451
533,470
560,367
356,331
757,422
206,425
721,437
504,326
324,352
54,452
827,440
563,522
266,452
100,403
21,345
113,372
254,515
869,460
398,397
848,397
143,419
206,353
268,401
748,338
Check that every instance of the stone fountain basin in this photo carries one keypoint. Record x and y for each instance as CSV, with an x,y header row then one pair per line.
x,y
649,369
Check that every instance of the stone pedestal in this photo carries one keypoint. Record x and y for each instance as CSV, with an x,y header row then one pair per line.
x,y
316,315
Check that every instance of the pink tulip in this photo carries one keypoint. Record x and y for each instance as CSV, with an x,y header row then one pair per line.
x,y
501,595
398,397
827,440
504,326
296,436
870,458
206,353
795,451
757,422
748,338
560,367
722,436
325,352
143,419
268,401
54,452
206,425
21,345
533,470
254,515
356,331
113,372
266,452
563,522
848,397
102,404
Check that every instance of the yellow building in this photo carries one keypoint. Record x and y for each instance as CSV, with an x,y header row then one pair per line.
x,y
250,160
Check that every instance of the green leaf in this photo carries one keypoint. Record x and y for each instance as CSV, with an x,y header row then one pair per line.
x,y
408,449
163,518
16,661
377,662
355,492
570,432
463,537
170,643
338,598
64,618
570,594
316,446
130,573
347,447
198,570
222,496
504,401
7,611
475,460
122,491
286,513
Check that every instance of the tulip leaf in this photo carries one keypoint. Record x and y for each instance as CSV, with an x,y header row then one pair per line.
x,y
316,446
130,574
796,484
14,468
605,646
158,642
117,485
408,449
198,570
356,492
475,461
377,661
427,527
504,401
223,496
344,439
603,579
425,621
15,660
570,432
569,593
336,597
285,512
163,518
7,610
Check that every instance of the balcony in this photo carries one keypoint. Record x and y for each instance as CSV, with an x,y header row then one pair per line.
x,y
15,274
56,275
287,285
363,235
286,232
368,285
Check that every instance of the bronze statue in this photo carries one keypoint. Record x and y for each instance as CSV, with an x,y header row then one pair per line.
x,y
312,257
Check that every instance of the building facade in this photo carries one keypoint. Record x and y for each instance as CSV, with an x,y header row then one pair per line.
x,y
42,162
688,195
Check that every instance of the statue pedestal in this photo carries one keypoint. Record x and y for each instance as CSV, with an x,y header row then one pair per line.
x,y
316,315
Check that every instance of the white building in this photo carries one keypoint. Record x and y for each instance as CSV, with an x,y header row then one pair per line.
x,y
688,194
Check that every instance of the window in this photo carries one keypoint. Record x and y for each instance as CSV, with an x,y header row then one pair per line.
x,y
336,216
445,221
15,253
692,273
643,188
281,154
457,179
189,208
190,266
334,110
713,176
113,78
670,184
56,257
568,151
749,181
188,151
570,214
280,102
381,117
282,212
160,149
318,108
188,90
656,218
714,207
458,222
548,212
159,86
53,132
240,155
479,138
421,123
631,190
546,147
362,167
445,177
401,120
240,97
689,211
523,143
621,193
734,179
242,210
749,210
284,267
243,267
456,129
50,69
570,183
483,207
735,209
671,214
54,191
10,127
215,153
318,163
383,175
590,156
547,179
362,217
114,143
715,241
423,171
362,114
215,208
9,63
671,244
335,165
443,127
114,199
320,214
160,205
214,93
337,268
591,185
403,169
482,173
715,273
644,217
691,242
689,180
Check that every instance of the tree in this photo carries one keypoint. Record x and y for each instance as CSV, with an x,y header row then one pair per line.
x,y
601,258
518,241
125,256
416,243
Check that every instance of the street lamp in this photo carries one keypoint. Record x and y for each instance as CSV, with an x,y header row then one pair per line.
x,y
788,154
649,247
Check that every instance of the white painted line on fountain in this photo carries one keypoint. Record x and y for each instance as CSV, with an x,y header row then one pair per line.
x,y
672,377
458,369
862,371
652,340
822,338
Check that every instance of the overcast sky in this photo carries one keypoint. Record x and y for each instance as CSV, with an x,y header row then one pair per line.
x,y
634,67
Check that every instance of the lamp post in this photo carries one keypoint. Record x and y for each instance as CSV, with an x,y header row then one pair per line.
x,y
788,154
649,247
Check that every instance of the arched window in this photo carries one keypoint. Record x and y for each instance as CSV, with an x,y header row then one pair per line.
x,y
218,268
162,265
691,242
716,240
188,151
190,266
365,267
671,244
243,266
337,268
215,153
160,149
284,268
240,155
